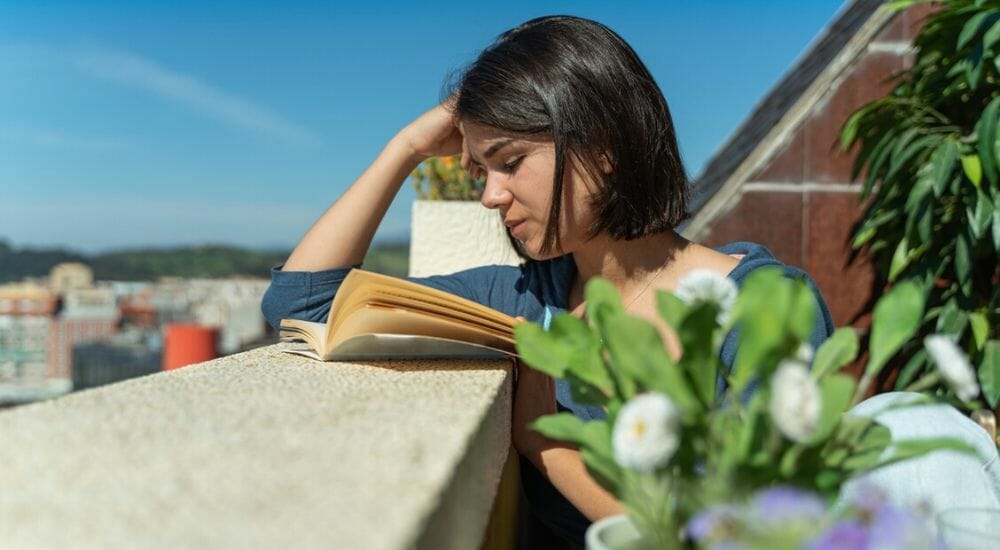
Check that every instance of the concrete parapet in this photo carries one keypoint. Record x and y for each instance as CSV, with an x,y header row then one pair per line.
x,y
261,450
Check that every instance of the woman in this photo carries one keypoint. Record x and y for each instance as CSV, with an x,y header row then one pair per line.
x,y
577,147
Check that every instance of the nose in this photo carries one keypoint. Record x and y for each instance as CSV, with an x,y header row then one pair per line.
x,y
495,194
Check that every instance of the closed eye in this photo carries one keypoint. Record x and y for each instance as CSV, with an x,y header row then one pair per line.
x,y
512,165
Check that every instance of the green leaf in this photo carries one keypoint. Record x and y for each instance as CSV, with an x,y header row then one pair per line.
x,y
986,133
837,391
996,223
540,350
838,350
869,449
900,259
762,306
943,160
952,319
974,67
970,29
605,471
989,373
913,367
601,296
700,359
562,427
671,308
992,34
980,219
897,317
980,328
583,351
973,168
911,448
913,149
640,359
963,263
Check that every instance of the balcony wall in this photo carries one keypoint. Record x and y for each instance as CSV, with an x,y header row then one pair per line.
x,y
261,450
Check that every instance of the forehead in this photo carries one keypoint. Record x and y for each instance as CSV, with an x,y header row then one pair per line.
x,y
481,133
480,136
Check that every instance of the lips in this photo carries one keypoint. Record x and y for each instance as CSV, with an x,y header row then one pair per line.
x,y
514,226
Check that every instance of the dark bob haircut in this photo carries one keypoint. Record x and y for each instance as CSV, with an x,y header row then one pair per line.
x,y
580,83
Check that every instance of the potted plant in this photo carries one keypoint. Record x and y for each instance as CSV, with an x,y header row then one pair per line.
x,y
684,435
451,230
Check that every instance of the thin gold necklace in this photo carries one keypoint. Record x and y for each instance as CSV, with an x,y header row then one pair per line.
x,y
649,282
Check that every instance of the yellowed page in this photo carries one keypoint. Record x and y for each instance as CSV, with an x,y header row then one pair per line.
x,y
312,333
374,319
363,287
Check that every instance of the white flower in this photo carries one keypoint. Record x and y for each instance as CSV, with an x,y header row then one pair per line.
x,y
647,432
795,400
804,354
953,365
705,285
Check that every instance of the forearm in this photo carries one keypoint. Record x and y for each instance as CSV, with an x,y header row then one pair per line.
x,y
342,235
564,468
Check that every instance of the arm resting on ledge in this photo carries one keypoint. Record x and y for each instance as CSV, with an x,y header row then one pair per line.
x,y
560,463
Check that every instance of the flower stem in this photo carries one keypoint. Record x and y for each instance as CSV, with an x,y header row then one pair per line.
x,y
929,381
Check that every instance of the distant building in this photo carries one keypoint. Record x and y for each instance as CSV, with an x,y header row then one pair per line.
x,y
70,276
87,315
99,363
230,305
27,349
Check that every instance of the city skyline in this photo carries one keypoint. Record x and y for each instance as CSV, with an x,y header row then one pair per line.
x,y
136,124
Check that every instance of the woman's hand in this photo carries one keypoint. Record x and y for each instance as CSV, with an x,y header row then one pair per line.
x,y
534,396
433,134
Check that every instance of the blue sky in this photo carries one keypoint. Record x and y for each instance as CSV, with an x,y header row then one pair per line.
x,y
138,123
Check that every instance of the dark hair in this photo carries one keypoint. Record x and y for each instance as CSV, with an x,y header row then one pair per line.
x,y
581,83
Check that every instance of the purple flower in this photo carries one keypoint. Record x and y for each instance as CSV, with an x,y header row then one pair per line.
x,y
845,535
714,524
868,499
782,504
894,527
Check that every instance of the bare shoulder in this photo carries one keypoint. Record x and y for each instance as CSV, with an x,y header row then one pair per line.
x,y
703,257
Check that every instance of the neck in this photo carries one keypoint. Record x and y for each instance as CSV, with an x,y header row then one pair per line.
x,y
628,263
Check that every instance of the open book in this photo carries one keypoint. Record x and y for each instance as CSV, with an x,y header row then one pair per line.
x,y
376,316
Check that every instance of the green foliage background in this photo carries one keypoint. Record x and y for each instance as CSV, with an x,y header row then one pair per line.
x,y
931,153
148,264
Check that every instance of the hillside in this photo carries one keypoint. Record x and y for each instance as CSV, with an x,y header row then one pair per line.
x,y
148,264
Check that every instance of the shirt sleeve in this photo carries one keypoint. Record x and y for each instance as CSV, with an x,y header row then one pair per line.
x,y
308,295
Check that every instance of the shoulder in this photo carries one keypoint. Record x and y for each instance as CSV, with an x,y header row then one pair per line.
x,y
756,256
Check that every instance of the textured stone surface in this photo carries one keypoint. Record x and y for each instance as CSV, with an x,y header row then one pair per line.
x,y
449,236
260,450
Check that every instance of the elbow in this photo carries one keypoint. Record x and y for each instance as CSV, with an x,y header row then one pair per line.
x,y
274,310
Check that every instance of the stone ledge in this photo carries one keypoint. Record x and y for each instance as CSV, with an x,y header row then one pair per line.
x,y
261,450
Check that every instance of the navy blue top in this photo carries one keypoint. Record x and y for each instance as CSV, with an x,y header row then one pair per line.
x,y
535,291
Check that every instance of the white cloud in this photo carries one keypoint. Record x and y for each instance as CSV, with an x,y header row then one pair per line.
x,y
134,71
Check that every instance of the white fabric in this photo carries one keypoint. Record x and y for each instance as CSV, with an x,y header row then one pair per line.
x,y
943,479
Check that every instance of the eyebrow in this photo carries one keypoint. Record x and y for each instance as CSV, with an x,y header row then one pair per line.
x,y
492,149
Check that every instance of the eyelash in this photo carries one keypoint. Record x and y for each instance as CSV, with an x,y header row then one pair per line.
x,y
512,165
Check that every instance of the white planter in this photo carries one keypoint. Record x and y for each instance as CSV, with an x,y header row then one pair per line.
x,y
613,533
449,236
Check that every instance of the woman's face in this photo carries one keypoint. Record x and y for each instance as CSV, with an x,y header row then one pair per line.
x,y
518,170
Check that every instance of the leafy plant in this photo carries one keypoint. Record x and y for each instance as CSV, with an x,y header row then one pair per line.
x,y
685,433
444,179
930,151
